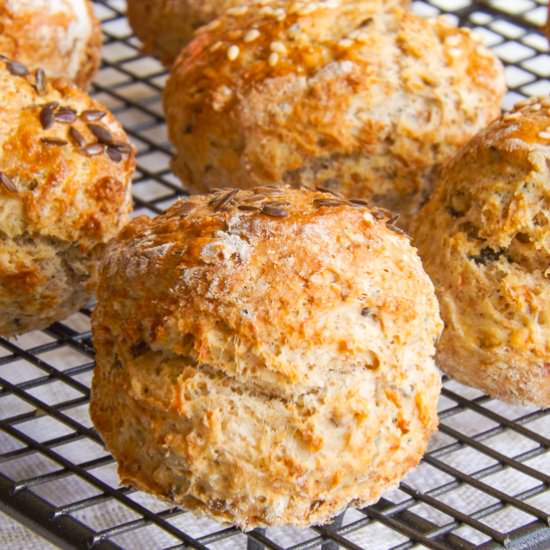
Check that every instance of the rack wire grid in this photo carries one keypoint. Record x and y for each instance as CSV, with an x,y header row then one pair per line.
x,y
485,481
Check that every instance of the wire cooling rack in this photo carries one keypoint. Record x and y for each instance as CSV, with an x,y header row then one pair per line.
x,y
485,481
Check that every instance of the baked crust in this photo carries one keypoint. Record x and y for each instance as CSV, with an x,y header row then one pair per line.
x,y
59,202
279,368
366,98
41,34
484,238
166,26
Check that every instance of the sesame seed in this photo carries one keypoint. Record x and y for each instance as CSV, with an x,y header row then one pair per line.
x,y
278,47
251,35
455,52
345,43
308,8
216,46
7,183
233,52
544,135
213,25
273,59
237,10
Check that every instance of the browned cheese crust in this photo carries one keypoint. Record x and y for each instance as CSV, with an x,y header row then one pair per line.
x,y
62,195
62,37
265,357
485,240
368,101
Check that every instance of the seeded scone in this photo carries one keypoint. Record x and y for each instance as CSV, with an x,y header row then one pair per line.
x,y
61,36
65,171
280,368
362,101
165,27
484,238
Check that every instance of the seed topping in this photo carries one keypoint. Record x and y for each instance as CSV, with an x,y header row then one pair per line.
x,y
47,117
77,137
17,69
101,133
40,81
92,115
7,183
274,211
219,202
53,141
94,149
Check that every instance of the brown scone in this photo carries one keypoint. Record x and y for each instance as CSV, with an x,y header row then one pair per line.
x,y
165,27
367,101
484,238
265,357
63,194
61,36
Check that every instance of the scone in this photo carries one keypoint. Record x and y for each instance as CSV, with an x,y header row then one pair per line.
x,y
484,238
65,170
61,36
165,27
363,101
265,356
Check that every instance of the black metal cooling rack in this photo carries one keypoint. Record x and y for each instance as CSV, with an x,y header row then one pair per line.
x,y
484,483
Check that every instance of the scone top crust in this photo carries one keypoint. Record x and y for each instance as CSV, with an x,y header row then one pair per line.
x,y
165,27
485,239
265,356
56,180
342,90
61,36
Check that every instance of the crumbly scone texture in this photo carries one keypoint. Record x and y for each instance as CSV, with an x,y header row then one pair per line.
x,y
265,356
484,238
62,196
61,36
365,98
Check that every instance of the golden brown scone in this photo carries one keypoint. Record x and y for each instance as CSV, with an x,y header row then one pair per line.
x,y
61,36
485,239
62,195
367,102
265,357
166,26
